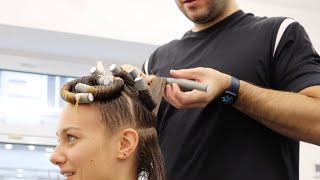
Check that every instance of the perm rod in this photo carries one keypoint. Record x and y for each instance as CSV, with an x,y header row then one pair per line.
x,y
188,84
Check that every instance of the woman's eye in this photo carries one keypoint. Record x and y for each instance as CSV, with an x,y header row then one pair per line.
x,y
71,138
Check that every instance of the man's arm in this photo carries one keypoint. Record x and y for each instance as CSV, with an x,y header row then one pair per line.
x,y
295,115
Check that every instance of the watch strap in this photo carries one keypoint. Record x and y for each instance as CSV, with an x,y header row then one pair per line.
x,y
234,85
230,95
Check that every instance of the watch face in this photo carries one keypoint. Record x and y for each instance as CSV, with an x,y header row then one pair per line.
x,y
228,98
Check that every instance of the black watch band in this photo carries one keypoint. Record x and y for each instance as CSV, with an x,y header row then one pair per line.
x,y
230,95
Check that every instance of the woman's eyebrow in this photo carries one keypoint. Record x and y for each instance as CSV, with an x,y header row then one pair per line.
x,y
65,130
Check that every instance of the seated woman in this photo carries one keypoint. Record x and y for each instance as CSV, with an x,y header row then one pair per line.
x,y
107,130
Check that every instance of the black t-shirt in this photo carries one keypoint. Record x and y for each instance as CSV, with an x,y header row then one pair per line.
x,y
218,142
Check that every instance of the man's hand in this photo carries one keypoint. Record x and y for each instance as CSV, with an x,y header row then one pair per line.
x,y
217,83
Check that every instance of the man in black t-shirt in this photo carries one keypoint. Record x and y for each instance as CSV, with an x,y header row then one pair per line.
x,y
263,95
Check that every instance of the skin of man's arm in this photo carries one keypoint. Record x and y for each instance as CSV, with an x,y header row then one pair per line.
x,y
295,115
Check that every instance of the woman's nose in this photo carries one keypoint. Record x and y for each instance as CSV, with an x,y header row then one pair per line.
x,y
58,157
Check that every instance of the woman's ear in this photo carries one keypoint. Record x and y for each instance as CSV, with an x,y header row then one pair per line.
x,y
129,143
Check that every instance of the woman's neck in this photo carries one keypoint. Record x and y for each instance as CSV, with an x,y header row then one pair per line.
x,y
127,172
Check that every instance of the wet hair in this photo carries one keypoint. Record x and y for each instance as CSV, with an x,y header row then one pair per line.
x,y
122,105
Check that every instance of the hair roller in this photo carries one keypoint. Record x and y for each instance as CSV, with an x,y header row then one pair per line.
x,y
95,70
101,92
105,80
67,95
119,72
83,88
134,73
144,93
84,97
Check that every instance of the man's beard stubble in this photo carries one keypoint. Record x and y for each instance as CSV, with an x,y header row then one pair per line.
x,y
214,10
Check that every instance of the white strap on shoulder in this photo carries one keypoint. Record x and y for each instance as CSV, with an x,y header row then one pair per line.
x,y
146,67
281,30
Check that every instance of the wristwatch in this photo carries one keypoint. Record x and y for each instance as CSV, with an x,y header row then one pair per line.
x,y
230,95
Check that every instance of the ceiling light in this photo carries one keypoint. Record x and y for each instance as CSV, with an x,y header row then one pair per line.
x,y
20,170
31,147
8,146
19,175
50,150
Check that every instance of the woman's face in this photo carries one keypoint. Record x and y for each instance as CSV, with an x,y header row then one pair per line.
x,y
84,150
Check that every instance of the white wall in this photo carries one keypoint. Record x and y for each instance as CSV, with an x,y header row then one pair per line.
x,y
147,21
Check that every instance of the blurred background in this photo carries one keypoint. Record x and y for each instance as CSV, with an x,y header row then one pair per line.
x,y
44,43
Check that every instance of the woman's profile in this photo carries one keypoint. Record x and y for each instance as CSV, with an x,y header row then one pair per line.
x,y
107,131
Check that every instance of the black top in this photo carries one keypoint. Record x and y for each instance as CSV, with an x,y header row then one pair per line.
x,y
218,142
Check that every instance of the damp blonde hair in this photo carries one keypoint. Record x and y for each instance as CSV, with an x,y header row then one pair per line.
x,y
122,105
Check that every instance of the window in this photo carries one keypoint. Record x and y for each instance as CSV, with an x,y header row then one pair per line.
x,y
28,162
29,109
29,105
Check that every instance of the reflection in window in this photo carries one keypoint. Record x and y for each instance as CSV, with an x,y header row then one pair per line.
x,y
51,91
28,162
28,98
29,108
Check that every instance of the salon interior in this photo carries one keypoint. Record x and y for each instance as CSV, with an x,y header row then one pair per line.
x,y
44,44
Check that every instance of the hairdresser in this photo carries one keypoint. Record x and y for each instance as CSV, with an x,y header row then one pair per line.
x,y
263,95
